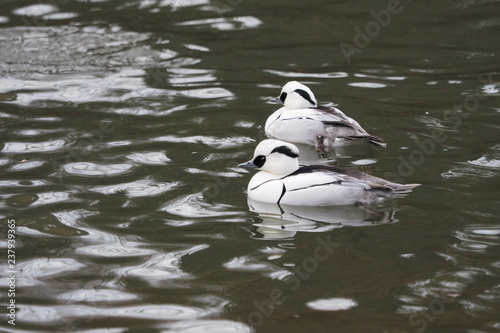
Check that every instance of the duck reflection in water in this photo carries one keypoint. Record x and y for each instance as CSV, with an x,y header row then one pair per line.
x,y
284,221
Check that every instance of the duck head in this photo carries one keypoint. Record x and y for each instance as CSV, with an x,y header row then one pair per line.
x,y
274,156
295,95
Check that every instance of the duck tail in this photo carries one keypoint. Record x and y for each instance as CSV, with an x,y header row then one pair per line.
x,y
404,188
377,141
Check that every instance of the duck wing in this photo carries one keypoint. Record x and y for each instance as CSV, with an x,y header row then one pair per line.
x,y
351,177
372,181
349,129
327,185
318,175
345,131
318,186
330,114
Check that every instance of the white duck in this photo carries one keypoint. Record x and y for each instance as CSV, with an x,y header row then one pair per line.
x,y
282,181
301,120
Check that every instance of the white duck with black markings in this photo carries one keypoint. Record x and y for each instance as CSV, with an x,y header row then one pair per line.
x,y
301,120
282,181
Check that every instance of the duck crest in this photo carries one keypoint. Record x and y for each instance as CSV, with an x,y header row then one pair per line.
x,y
285,151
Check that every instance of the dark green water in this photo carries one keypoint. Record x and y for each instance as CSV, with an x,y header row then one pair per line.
x,y
121,126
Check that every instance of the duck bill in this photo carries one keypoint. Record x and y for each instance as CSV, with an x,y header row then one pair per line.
x,y
247,165
276,100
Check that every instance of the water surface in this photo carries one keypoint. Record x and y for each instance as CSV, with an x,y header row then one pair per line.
x,y
123,123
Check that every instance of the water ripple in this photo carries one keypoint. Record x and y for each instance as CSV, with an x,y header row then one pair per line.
x,y
34,147
159,268
142,111
186,77
157,312
89,169
330,75
468,172
103,244
213,173
174,4
213,92
450,284
121,249
35,271
35,10
332,304
25,165
484,166
60,16
227,142
480,238
47,198
80,54
246,263
486,162
139,188
193,206
209,326
73,48
22,183
72,218
97,295
226,23
371,85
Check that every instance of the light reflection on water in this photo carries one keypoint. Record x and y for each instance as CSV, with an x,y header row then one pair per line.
x,y
123,123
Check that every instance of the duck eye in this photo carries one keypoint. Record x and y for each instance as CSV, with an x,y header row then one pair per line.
x,y
259,161
283,97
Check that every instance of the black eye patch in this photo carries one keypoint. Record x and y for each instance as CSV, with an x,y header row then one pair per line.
x,y
259,161
305,95
283,97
